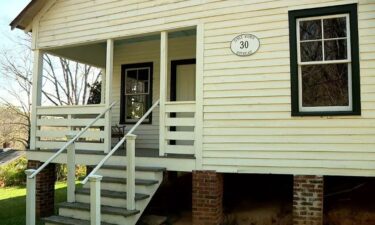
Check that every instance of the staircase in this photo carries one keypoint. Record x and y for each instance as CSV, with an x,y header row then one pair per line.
x,y
113,198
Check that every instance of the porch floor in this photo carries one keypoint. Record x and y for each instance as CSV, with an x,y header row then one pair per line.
x,y
139,152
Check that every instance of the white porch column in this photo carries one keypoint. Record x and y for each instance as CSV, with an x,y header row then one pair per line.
x,y
102,90
36,94
163,90
108,95
198,142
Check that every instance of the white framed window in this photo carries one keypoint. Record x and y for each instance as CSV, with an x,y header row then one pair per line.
x,y
136,92
324,63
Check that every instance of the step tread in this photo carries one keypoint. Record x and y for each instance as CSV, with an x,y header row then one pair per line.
x,y
112,194
120,180
137,168
104,209
62,220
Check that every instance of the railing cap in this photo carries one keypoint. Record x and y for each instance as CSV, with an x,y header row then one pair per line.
x,y
130,136
70,135
95,178
29,172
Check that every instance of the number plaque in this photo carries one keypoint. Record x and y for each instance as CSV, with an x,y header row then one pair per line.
x,y
245,45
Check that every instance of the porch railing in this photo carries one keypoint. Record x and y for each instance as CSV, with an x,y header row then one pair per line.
x,y
55,122
95,201
70,146
179,127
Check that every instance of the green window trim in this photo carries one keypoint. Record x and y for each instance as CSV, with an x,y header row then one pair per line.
x,y
350,9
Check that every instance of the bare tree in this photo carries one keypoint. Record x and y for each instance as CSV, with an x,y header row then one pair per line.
x,y
64,82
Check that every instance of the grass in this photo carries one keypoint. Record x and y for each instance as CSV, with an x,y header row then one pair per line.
x,y
13,203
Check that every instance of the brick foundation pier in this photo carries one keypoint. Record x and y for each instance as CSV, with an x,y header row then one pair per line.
x,y
207,198
308,200
45,188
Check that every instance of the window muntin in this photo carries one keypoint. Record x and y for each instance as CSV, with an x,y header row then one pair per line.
x,y
324,63
137,93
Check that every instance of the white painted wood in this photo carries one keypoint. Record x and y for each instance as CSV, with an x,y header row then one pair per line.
x,y
79,145
188,122
94,134
71,167
95,203
69,122
108,94
180,135
249,92
70,110
163,89
102,91
30,197
180,149
198,130
36,94
180,106
130,170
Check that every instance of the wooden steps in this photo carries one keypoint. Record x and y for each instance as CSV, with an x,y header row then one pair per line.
x,y
113,198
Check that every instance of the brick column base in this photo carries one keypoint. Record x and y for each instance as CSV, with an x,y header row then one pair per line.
x,y
207,198
45,188
308,200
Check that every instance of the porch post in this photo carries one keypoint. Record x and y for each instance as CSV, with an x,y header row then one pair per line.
x,y
36,94
108,95
102,90
198,143
163,90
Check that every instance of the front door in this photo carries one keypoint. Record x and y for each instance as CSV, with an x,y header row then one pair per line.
x,y
183,89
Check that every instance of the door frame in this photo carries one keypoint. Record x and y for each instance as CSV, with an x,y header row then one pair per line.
x,y
174,64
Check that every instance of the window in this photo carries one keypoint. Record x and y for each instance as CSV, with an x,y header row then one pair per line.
x,y
136,92
324,61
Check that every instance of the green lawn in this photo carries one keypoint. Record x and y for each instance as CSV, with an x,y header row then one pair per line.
x,y
13,203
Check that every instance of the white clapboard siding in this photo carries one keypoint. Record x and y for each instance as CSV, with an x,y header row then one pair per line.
x,y
247,126
148,51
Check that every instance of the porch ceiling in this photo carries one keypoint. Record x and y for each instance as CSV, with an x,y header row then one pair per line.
x,y
95,54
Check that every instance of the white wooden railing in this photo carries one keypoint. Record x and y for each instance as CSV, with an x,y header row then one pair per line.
x,y
95,203
179,127
70,146
55,122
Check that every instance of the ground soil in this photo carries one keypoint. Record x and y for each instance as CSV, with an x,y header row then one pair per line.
x,y
267,200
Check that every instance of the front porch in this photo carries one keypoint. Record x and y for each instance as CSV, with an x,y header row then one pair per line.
x,y
136,73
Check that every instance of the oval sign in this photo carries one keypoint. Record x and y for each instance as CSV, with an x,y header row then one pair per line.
x,y
245,45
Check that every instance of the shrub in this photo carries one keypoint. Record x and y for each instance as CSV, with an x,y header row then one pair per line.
x,y
13,174
62,172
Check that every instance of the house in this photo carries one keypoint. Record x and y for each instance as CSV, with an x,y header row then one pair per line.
x,y
207,87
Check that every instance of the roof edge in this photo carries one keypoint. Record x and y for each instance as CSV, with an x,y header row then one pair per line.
x,y
15,22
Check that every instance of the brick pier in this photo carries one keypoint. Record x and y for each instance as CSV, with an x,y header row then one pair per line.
x,y
308,200
207,198
45,188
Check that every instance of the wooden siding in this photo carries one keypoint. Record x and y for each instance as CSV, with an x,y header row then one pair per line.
x,y
247,120
147,51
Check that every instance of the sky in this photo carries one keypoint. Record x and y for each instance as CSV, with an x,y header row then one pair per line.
x,y
9,9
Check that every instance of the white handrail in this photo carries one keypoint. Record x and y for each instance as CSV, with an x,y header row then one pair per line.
x,y
78,135
101,163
